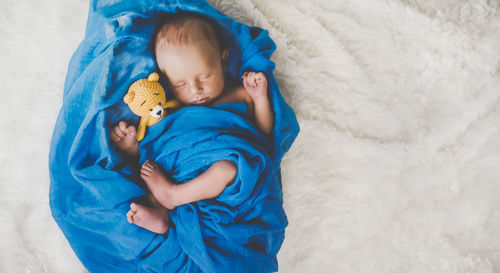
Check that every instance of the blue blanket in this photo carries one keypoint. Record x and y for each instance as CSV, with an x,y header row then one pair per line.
x,y
92,185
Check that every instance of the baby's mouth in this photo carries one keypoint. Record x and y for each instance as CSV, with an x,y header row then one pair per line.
x,y
202,101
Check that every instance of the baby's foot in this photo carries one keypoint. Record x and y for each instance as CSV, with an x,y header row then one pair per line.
x,y
125,138
154,219
158,184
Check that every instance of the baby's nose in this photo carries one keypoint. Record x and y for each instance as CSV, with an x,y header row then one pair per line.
x,y
195,88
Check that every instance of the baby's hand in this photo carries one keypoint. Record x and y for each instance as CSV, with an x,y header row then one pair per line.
x,y
255,84
125,138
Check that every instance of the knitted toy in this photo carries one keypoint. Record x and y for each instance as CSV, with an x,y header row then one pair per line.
x,y
146,98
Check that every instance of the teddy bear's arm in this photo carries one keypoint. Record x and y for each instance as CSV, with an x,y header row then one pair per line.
x,y
141,129
172,104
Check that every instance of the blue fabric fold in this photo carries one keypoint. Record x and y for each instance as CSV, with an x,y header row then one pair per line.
x,y
92,185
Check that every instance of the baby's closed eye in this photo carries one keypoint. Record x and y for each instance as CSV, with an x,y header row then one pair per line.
x,y
180,85
204,77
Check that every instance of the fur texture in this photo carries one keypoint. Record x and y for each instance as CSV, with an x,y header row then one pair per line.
x,y
397,165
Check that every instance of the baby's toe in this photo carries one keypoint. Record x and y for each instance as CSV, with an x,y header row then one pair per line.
x,y
146,165
134,207
145,170
155,165
130,219
136,218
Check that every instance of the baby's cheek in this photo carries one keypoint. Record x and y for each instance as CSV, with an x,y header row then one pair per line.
x,y
184,97
217,87
178,94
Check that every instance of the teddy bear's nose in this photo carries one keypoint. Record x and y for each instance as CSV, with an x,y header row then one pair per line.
x,y
157,111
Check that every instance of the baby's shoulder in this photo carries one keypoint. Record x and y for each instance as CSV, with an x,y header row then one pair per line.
x,y
241,94
234,92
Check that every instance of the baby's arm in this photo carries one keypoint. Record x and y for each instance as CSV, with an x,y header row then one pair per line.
x,y
207,185
256,86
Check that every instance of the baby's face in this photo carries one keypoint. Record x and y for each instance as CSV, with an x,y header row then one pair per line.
x,y
195,72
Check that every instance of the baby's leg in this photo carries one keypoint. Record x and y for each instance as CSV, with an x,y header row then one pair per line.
x,y
125,138
154,219
207,185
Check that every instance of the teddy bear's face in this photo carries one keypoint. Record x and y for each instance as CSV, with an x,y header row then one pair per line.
x,y
146,98
147,103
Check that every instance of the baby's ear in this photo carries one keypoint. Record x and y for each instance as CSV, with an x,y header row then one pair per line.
x,y
225,54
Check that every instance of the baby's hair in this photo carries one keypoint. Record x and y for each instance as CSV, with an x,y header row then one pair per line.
x,y
185,28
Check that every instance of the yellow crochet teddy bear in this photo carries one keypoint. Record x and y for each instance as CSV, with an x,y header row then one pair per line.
x,y
146,98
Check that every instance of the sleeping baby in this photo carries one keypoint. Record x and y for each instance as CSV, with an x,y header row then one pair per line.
x,y
191,56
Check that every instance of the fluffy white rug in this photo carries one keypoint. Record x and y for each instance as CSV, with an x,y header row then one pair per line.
x,y
397,166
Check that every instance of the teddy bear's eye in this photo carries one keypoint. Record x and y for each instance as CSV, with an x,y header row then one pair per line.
x,y
150,109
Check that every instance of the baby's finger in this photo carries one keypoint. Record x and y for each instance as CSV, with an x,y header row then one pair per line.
x,y
245,82
259,77
245,76
118,131
123,125
252,80
114,137
112,133
131,130
250,76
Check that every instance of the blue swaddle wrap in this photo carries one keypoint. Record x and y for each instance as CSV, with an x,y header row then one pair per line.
x,y
92,185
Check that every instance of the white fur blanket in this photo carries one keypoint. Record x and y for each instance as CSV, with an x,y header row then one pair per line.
x,y
396,169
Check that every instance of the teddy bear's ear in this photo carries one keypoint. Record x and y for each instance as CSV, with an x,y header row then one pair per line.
x,y
153,77
129,97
